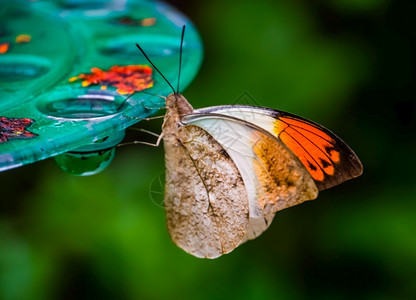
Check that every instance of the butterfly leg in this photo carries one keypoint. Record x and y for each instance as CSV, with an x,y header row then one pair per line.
x,y
153,107
138,142
159,139
145,106
143,119
145,131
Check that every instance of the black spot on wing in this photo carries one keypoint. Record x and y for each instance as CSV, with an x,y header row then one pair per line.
x,y
312,166
325,163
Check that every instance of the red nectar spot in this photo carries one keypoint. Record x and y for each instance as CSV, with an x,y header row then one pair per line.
x,y
14,128
127,79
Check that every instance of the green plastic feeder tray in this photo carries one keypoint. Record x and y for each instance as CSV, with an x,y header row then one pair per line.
x,y
43,44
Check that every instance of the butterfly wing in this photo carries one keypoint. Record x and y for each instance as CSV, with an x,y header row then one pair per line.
x,y
205,197
326,157
274,178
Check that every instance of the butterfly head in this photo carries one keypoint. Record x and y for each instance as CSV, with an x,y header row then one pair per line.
x,y
177,103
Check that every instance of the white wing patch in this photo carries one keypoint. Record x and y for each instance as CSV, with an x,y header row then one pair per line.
x,y
265,165
257,116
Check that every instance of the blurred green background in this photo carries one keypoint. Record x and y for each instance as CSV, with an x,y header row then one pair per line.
x,y
348,65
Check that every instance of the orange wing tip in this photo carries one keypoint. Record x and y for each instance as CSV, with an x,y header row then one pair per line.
x,y
306,126
326,157
23,38
334,155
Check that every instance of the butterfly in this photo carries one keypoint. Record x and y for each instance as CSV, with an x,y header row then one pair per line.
x,y
230,168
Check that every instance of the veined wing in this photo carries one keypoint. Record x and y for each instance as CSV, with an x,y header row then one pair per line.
x,y
273,175
327,158
205,197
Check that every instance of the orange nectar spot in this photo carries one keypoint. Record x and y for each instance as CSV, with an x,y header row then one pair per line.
x,y
148,21
73,78
127,79
4,47
23,38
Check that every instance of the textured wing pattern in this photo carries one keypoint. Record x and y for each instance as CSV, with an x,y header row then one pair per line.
x,y
205,198
274,178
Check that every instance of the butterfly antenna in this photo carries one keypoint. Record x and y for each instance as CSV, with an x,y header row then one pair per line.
x,y
148,59
130,95
125,100
180,57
